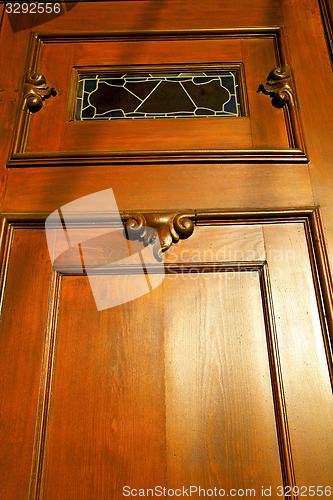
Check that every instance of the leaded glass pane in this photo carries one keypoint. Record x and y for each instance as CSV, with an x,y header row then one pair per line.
x,y
154,95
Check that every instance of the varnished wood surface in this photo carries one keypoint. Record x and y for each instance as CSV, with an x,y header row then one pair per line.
x,y
303,360
22,333
327,13
160,135
234,133
96,416
181,374
162,186
316,119
220,425
171,15
234,244
243,188
256,54
107,411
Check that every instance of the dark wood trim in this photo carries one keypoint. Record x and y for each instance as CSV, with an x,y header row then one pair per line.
x,y
281,418
210,216
40,442
156,35
22,124
153,157
6,239
326,9
2,13
322,278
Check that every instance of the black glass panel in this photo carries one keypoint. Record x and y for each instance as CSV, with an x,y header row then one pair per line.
x,y
168,97
108,98
211,96
141,89
162,95
88,112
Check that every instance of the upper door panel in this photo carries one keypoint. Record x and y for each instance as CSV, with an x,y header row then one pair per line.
x,y
52,134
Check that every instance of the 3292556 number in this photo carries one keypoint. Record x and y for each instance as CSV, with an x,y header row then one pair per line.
x,y
304,491
33,8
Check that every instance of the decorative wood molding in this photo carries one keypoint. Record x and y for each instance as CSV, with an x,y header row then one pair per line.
x,y
295,152
278,86
93,158
176,225
326,8
279,399
36,91
184,223
38,455
170,228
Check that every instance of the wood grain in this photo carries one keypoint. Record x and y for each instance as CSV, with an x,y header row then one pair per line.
x,y
316,119
22,330
160,187
107,414
308,391
182,374
219,408
175,376
268,127
227,244
171,15
257,53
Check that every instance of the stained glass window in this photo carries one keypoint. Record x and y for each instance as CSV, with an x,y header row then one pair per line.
x,y
153,95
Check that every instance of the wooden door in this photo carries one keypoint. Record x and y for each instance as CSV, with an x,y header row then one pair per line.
x,y
219,375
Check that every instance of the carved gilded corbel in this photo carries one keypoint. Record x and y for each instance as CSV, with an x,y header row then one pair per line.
x,y
36,91
169,227
278,86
